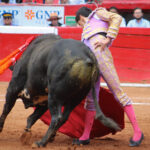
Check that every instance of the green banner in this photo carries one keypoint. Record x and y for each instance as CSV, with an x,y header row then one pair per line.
x,y
70,20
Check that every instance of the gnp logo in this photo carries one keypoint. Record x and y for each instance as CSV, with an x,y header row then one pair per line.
x,y
14,12
29,14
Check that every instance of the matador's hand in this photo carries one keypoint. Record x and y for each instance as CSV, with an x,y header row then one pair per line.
x,y
102,44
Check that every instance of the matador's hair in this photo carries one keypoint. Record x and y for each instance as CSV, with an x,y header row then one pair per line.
x,y
83,11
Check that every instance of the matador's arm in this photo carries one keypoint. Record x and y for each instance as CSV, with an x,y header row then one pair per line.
x,y
113,19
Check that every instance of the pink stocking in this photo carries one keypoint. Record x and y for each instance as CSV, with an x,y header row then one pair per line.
x,y
131,115
89,119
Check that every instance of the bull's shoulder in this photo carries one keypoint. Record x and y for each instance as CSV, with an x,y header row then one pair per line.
x,y
38,46
51,37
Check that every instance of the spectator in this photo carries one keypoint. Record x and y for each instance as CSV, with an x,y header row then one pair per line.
x,y
9,1
38,1
18,1
7,19
51,1
12,1
5,1
64,1
26,1
115,10
89,1
75,2
54,20
139,21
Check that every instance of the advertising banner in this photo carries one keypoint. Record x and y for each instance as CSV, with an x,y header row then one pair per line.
x,y
27,30
70,20
31,15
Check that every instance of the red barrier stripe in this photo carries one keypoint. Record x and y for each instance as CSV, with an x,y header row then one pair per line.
x,y
132,41
131,57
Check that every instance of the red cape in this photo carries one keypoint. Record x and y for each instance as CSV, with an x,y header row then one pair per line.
x,y
75,125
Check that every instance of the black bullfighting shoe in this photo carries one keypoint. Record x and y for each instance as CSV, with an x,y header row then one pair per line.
x,y
80,142
136,143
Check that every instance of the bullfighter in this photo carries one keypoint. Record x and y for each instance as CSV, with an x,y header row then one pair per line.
x,y
100,28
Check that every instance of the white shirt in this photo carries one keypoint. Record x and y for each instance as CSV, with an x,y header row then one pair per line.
x,y
75,2
123,23
142,24
12,1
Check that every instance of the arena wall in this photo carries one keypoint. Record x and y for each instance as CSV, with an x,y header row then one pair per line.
x,y
131,51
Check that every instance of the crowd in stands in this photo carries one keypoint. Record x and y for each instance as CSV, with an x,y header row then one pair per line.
x,y
74,2
138,20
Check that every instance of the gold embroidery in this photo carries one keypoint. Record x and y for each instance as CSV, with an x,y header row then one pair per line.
x,y
113,19
86,35
108,71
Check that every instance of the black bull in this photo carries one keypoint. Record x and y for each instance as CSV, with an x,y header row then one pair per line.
x,y
52,73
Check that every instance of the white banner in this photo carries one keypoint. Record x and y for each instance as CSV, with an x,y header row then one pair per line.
x,y
28,30
31,15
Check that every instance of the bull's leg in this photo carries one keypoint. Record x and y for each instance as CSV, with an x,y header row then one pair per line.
x,y
38,112
11,97
56,124
7,108
55,110
15,86
67,110
62,120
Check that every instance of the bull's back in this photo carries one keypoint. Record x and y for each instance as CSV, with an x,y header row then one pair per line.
x,y
32,51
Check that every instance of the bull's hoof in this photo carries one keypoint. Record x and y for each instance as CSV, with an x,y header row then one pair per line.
x,y
1,129
26,138
1,125
34,145
37,145
51,139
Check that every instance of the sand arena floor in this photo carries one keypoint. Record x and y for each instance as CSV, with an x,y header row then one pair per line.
x,y
16,122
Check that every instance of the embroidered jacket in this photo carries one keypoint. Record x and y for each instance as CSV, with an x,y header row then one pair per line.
x,y
106,21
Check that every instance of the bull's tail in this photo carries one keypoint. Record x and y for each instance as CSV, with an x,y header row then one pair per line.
x,y
99,114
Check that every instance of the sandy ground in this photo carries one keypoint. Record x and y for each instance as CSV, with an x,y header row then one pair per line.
x,y
16,121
